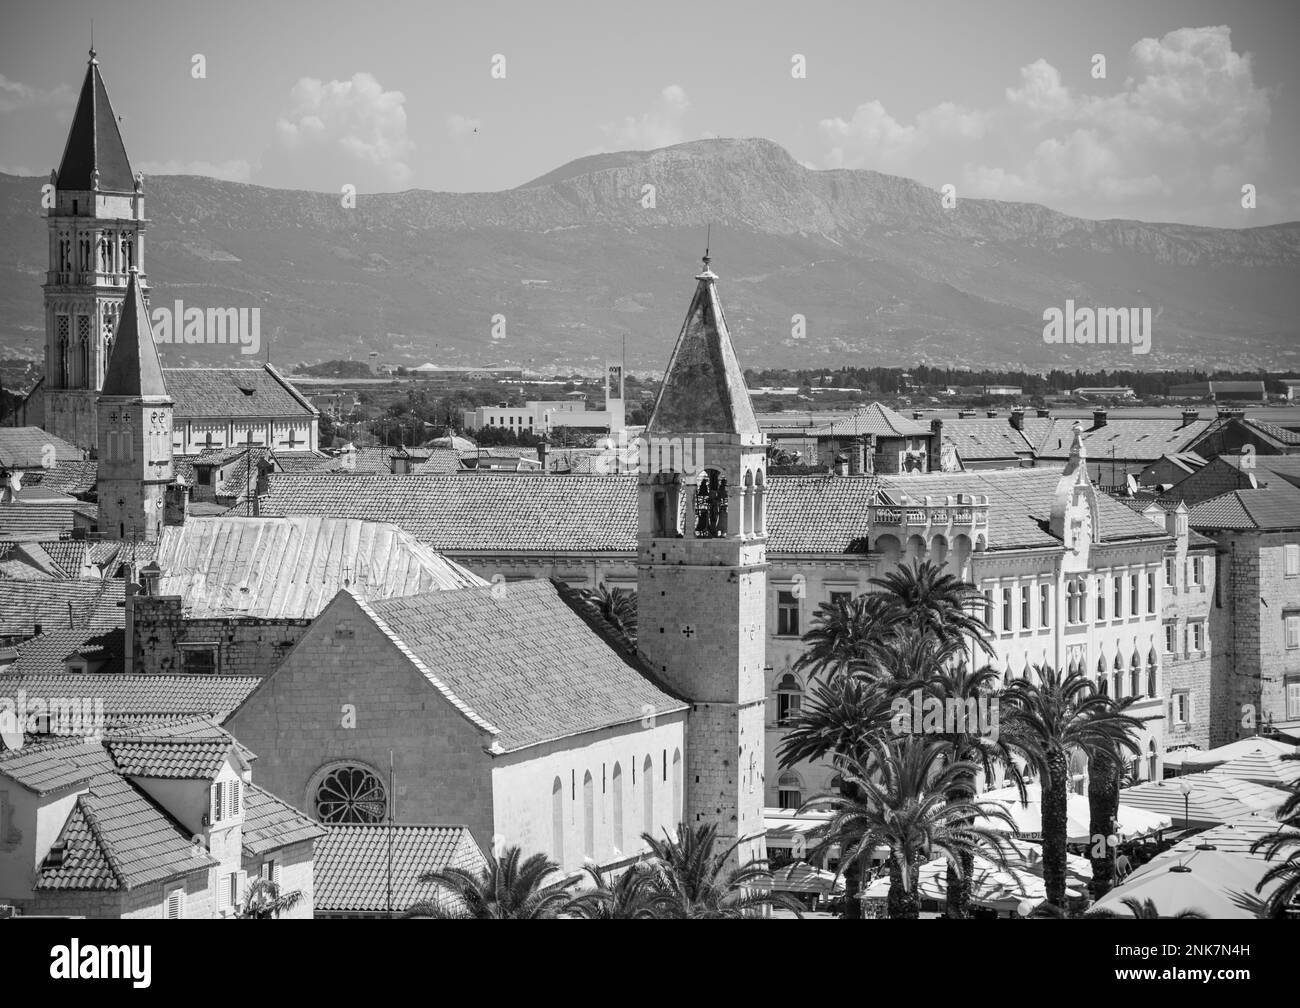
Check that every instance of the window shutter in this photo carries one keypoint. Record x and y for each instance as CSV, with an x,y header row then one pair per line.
x,y
175,904
232,798
216,801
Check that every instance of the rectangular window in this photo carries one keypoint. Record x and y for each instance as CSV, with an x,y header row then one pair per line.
x,y
988,608
1197,630
1101,600
1292,564
1198,570
1134,597
232,889
1151,592
218,799
1171,637
1170,567
232,799
787,614
1292,630
1007,611
1181,703
1293,699
1026,609
841,598
199,659
1045,606
1117,597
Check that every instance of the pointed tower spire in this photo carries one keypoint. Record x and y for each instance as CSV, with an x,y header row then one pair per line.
x,y
704,388
94,142
134,369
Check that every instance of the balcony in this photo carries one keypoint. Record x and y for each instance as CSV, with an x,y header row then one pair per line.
x,y
962,510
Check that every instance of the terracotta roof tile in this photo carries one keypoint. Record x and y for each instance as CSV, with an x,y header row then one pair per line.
x,y
351,864
91,603
233,392
32,447
270,824
130,699
25,522
169,758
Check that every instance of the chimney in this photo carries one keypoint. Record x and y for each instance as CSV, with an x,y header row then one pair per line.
x,y
541,454
855,457
1018,418
1226,413
1190,416
36,628
841,464
1043,414
150,574
1098,418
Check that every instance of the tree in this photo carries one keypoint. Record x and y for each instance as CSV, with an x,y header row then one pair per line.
x,y
508,888
905,807
845,633
692,881
630,896
1105,777
844,717
1284,840
263,900
617,608
1144,910
932,601
1047,721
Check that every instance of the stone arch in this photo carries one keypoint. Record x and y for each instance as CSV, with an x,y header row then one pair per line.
x,y
557,820
789,790
916,548
888,546
760,502
648,795
940,550
616,797
588,816
747,503
679,813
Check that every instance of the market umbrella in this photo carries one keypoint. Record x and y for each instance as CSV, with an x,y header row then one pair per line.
x,y
1028,819
1219,884
1261,767
1202,799
1194,759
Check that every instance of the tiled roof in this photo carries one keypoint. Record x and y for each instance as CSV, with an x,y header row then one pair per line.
x,y
367,460
1279,434
1122,438
1276,506
44,521
94,603
72,478
474,511
116,837
32,447
805,514
169,758
290,568
440,460
44,769
873,419
132,699
351,865
34,559
45,655
270,824
233,392
529,663
985,440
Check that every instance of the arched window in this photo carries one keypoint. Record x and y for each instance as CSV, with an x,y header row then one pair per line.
x,y
1118,676
588,816
747,505
648,796
557,821
350,794
789,698
679,814
617,786
760,506
1135,674
1102,685
1153,761
789,790
1153,674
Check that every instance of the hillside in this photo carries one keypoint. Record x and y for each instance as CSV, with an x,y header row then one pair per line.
x,y
882,274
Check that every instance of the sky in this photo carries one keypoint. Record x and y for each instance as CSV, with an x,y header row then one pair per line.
x,y
1000,99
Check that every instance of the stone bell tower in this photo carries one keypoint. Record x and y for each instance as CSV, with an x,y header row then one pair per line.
x,y
702,569
96,238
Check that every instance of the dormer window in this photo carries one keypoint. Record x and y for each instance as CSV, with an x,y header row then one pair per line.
x,y
225,800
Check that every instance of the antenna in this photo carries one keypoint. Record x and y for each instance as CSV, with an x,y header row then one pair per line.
x,y
708,240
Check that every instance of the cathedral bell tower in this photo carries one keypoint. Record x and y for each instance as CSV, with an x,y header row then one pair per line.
x,y
702,569
135,429
96,224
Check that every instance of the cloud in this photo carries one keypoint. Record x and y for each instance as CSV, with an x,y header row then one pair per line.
x,y
352,130
230,171
661,126
462,126
1177,139
15,95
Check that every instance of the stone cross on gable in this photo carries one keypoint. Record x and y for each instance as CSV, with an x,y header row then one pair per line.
x,y
688,631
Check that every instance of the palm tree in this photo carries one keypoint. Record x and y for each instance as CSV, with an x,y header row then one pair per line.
x,y
263,900
693,882
1106,774
844,716
630,896
1144,910
1286,839
905,807
1046,722
617,608
505,888
935,602
845,633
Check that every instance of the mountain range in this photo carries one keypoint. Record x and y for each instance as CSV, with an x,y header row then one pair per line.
x,y
563,272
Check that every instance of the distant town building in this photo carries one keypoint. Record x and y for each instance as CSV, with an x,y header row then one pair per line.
x,y
1105,392
1239,391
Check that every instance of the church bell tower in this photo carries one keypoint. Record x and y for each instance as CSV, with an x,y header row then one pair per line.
x,y
135,429
702,569
95,220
